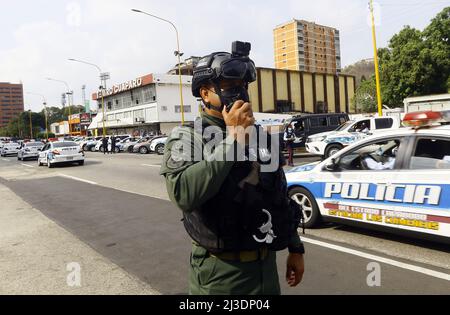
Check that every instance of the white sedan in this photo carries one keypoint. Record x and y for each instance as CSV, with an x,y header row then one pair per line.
x,y
10,148
29,150
61,152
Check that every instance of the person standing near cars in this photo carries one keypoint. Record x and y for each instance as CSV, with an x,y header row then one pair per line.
x,y
105,145
237,215
289,137
113,144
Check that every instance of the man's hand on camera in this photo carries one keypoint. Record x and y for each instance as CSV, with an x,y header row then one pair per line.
x,y
238,119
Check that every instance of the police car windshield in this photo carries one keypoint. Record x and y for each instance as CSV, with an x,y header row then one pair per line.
x,y
344,125
35,144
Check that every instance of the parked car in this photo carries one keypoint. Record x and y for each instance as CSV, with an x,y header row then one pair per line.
x,y
157,145
90,145
11,148
131,147
30,150
311,124
144,147
60,152
99,144
125,143
328,143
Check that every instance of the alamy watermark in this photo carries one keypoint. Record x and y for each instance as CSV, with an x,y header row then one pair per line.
x,y
216,145
374,277
74,276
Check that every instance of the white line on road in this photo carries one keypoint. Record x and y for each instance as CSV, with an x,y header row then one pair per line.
x,y
149,165
26,165
392,262
78,179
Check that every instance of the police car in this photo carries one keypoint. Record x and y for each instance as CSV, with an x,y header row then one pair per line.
x,y
398,180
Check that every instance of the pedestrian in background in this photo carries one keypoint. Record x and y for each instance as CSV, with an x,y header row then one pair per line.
x,y
113,144
105,144
289,137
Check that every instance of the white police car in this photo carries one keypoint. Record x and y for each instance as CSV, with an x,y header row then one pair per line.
x,y
328,143
60,152
397,180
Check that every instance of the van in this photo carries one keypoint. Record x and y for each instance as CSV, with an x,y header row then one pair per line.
x,y
306,125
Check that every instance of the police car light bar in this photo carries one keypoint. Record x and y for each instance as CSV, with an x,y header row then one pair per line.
x,y
421,119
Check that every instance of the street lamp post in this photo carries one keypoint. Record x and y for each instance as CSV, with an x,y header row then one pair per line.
x,y
177,53
103,77
45,111
69,94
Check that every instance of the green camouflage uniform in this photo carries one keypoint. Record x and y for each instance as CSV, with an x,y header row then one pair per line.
x,y
189,185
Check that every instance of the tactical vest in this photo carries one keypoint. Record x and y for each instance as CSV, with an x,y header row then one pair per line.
x,y
243,216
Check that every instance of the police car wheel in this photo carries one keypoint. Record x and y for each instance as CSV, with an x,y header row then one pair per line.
x,y
143,150
304,198
332,149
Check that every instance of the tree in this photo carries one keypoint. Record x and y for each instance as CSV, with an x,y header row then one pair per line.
x,y
416,63
365,100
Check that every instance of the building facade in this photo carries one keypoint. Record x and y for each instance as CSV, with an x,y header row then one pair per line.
x,y
306,46
145,105
289,91
11,102
60,129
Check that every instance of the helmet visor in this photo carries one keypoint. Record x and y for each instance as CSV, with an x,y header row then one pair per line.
x,y
239,69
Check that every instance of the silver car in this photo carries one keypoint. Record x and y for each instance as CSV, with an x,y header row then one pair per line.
x,y
30,150
11,148
60,152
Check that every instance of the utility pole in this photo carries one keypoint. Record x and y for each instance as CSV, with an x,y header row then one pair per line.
x,y
375,52
31,125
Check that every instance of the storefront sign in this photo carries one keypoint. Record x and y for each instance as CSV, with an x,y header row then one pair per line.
x,y
118,88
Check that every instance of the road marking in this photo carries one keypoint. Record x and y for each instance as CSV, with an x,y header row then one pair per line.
x,y
5,160
78,179
387,261
26,165
149,165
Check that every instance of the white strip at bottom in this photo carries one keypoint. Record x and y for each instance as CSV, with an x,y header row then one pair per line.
x,y
78,179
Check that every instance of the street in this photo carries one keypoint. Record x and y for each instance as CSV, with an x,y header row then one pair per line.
x,y
117,206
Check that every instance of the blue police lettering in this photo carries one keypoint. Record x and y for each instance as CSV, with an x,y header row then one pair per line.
x,y
419,194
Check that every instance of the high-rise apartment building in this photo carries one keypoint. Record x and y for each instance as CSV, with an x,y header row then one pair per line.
x,y
11,102
307,46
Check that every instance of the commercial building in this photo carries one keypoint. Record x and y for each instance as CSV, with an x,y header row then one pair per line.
x,y
79,123
289,91
11,102
60,128
307,46
147,104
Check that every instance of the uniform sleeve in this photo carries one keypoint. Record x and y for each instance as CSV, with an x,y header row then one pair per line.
x,y
191,182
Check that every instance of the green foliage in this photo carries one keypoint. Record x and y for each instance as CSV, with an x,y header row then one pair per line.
x,y
43,135
365,100
416,63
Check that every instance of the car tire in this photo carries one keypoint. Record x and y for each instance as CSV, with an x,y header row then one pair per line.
x,y
143,150
92,149
49,165
130,149
101,149
18,158
39,162
159,149
117,150
84,147
311,212
332,149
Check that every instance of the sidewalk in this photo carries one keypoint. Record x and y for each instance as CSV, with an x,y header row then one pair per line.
x,y
38,257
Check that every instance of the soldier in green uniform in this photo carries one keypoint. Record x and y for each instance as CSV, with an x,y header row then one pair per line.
x,y
235,207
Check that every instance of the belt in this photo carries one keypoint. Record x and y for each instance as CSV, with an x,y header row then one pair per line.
x,y
243,256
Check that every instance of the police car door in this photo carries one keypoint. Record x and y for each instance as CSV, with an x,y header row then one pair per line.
x,y
365,182
426,173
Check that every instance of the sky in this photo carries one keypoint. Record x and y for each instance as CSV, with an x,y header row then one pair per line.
x,y
38,36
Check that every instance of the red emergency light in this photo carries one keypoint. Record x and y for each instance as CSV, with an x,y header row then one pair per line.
x,y
420,119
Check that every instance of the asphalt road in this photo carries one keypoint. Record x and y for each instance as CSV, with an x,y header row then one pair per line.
x,y
118,205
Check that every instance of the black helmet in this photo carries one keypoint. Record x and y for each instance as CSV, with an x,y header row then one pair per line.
x,y
223,65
